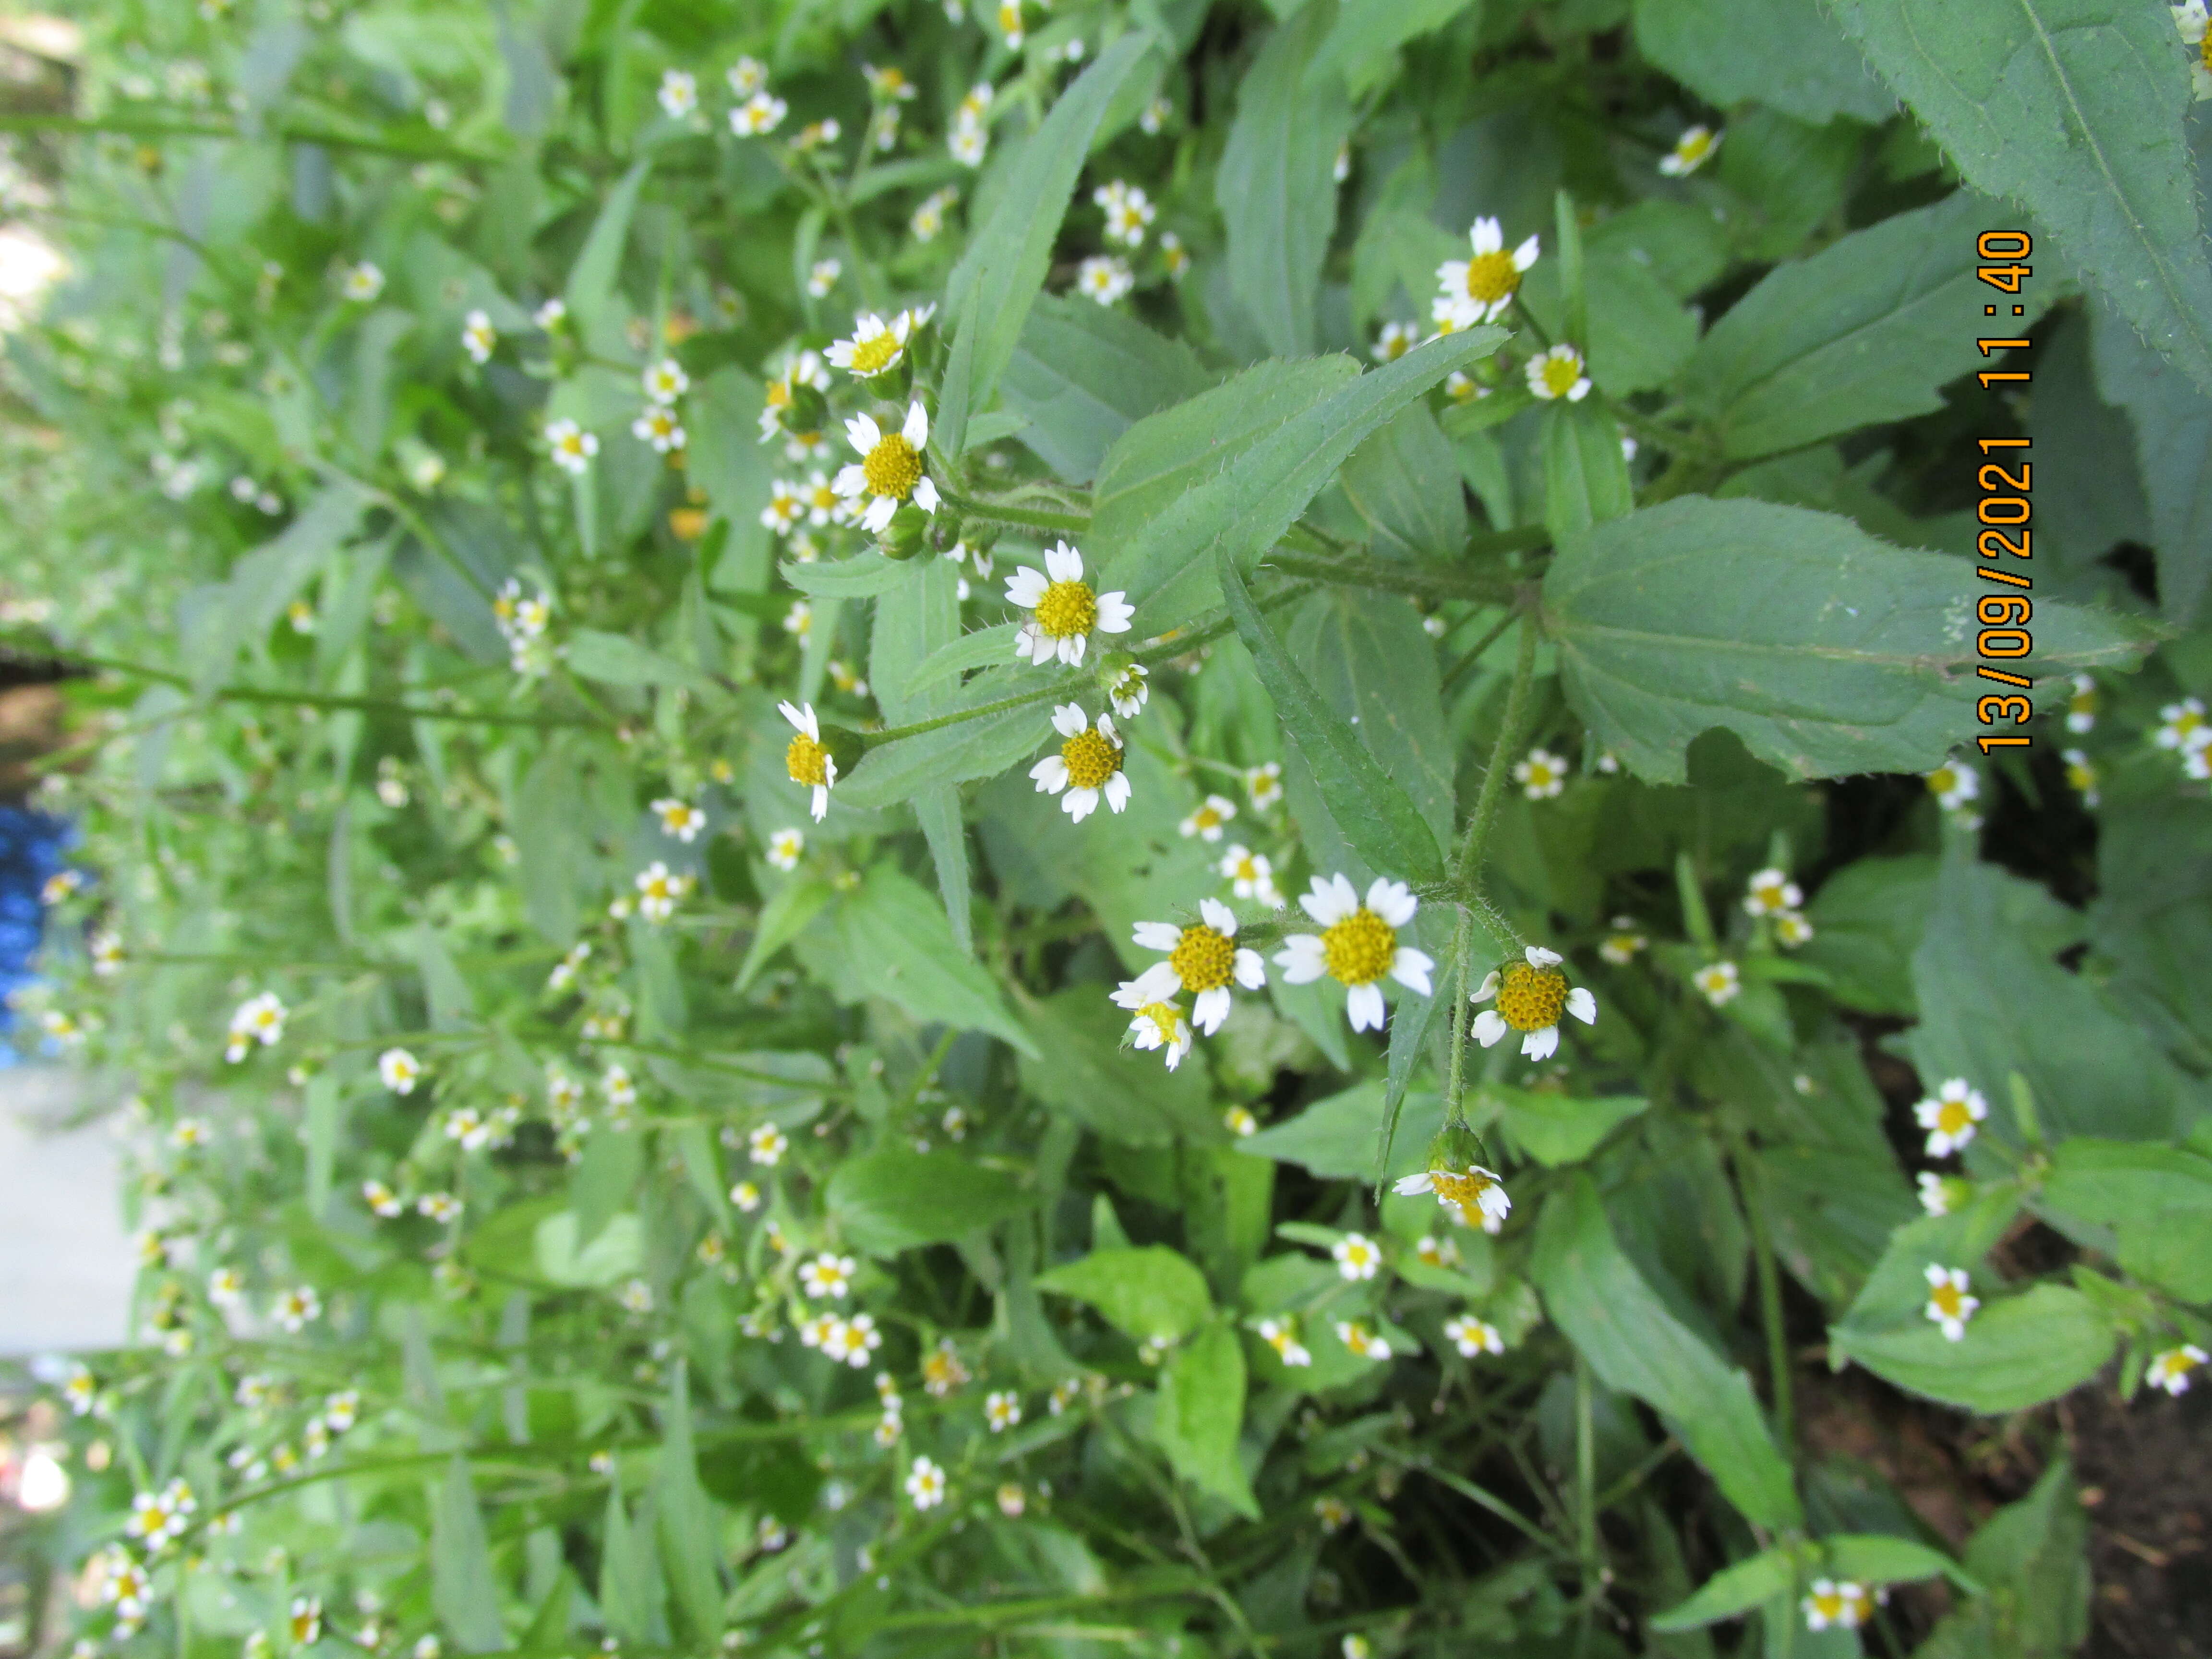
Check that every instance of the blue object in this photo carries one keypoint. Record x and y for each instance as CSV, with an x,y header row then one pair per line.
x,y
31,848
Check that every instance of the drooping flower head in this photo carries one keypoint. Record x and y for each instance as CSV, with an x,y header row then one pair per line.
x,y
1477,1195
1531,995
807,760
1161,1025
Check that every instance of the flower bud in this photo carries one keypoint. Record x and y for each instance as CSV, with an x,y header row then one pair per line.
x,y
907,533
807,411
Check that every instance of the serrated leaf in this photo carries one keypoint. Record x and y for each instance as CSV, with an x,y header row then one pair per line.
x,y
1826,651
689,1527
1084,1072
1200,1415
1788,54
1148,1292
895,1200
854,578
617,659
1405,481
900,948
2017,1352
1585,474
2075,108
1733,1591
2172,419
462,1587
1082,375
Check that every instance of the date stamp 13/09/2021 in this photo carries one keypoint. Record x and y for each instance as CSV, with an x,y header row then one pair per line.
x,y
2003,481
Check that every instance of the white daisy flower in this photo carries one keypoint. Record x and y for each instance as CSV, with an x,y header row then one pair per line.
x,y
806,762
1358,1257
679,93
785,508
1357,944
657,425
679,818
758,115
1769,892
1161,1025
1174,255
1948,1304
1939,1194
1154,117
1472,1336
1362,1342
664,381
658,890
1955,783
1002,1410
1542,776
1791,930
1395,340
293,1310
572,447
766,1144
564,971
258,1019
1280,1333
1128,212
1531,996
381,1199
362,283
1206,821
1088,767
478,337
2170,1369
1559,373
969,143
876,346
1692,151
1620,946
1478,290
2081,704
928,223
827,1276
1845,1605
822,276
1250,876
925,1484
1105,277
399,1070
1719,982
1239,1121
550,315
1950,1116
1263,785
1204,960
746,77
1009,23
785,846
440,1207
1065,610
746,1196
225,1288
889,468
2080,774
1471,1190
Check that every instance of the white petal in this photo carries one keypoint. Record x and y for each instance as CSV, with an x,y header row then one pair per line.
x,y
1540,1045
803,719
1487,989
821,802
1117,791
1106,730
1115,611
1051,774
1393,901
878,516
1071,649
1069,719
1406,1186
1330,900
1042,646
863,434
1026,587
916,430
1582,1005
1159,983
1211,1008
1410,968
925,495
1301,958
1130,993
852,481
1486,236
1251,972
1489,1026
1218,916
1064,562
1156,935
1525,255
1540,957
1079,804
1365,1003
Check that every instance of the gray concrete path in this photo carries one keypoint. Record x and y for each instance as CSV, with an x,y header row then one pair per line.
x,y
66,1264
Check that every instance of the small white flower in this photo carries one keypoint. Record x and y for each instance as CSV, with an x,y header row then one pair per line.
x,y
1948,1304
1239,1121
746,77
550,315
2080,774
398,1070
925,1484
1936,1194
258,1019
679,94
295,1309
1128,212
1791,930
225,1288
2179,723
1559,373
821,277
564,971
381,1199
478,337
1719,982
827,1276
657,426
1361,1341
807,761
1472,1190
1692,151
636,1297
928,223
1358,946
1395,340
1263,785
1130,691
1154,117
1950,1116
1478,290
1250,876
760,113
362,283
440,1207
1088,767
1161,1025
785,846
1105,277
1358,1256
1002,1411
658,890
1472,1336
1620,946
1064,610
1207,820
1769,892
1542,776
619,1087
1281,1333
1844,1605
1955,783
572,447
890,470
876,348
2192,22
679,818
1204,960
746,1196
2081,705
2170,1369
765,1145
1531,996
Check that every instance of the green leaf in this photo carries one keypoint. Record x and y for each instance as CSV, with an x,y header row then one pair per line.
x,y
261,584
617,659
689,1529
604,1180
855,578
895,1200
1785,53
1148,1292
1867,921
980,748
2173,423
1083,374
1826,651
1405,481
1555,1129
979,647
1276,185
632,1597
2018,1352
1363,46
1380,823
1119,1094
1733,1591
1878,1558
2033,1559
462,1587
1201,1414
1230,471
591,279
2075,109
2157,1198
1870,329
989,292
614,1254
782,919
937,810
1585,474
900,947
1639,333
1369,660
1341,1138
1610,1313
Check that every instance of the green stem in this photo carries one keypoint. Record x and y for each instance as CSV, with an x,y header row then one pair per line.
x,y
1586,1480
1392,576
1481,646
409,149
1749,1179
255,693
1021,518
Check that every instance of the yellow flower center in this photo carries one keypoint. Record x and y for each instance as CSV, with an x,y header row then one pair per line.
x,y
1693,146
1465,1190
1560,374
1531,999
1830,1605
1359,949
891,467
1953,1116
876,353
1947,1299
807,761
1205,958
1066,610
1942,780
1491,276
1091,757
2204,49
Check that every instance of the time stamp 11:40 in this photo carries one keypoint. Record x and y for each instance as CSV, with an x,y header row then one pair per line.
x,y
2004,513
